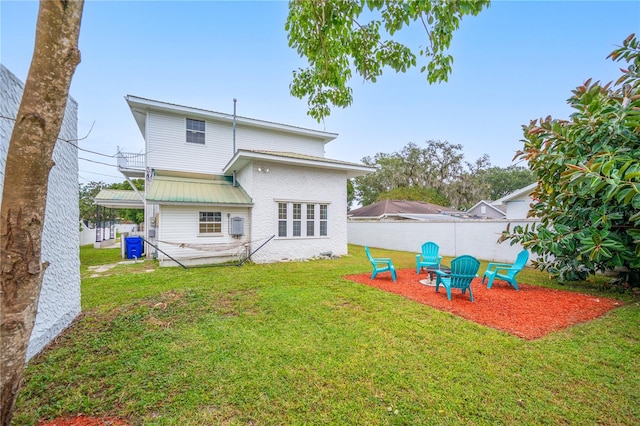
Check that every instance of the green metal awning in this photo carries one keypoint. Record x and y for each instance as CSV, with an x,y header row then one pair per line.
x,y
118,199
185,190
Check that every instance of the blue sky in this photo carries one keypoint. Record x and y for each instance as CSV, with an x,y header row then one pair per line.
x,y
516,61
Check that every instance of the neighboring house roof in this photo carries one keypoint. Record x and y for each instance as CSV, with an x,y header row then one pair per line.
x,y
500,209
400,208
439,217
243,157
209,190
527,190
118,199
140,106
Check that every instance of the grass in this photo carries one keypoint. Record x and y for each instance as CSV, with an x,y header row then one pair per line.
x,y
294,343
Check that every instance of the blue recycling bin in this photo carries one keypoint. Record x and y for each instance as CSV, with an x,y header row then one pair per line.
x,y
134,247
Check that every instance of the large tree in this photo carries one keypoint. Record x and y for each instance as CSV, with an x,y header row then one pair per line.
x,y
27,167
340,37
435,173
588,194
504,180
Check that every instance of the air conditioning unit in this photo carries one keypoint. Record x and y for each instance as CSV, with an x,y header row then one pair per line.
x,y
237,226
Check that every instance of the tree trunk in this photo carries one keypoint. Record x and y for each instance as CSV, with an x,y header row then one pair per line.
x,y
29,160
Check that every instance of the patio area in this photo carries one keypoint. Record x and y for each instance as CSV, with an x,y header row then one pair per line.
x,y
530,313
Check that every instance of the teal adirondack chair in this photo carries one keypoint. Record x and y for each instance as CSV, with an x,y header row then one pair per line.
x,y
463,270
506,271
429,257
380,264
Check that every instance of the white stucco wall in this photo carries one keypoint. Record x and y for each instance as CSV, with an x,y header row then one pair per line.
x,y
296,184
59,300
475,237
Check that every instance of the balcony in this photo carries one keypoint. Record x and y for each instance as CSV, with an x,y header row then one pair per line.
x,y
132,165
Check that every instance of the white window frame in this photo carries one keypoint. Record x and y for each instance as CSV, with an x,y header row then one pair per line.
x,y
297,220
206,222
283,216
310,223
302,219
194,132
324,220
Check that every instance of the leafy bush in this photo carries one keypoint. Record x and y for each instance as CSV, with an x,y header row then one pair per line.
x,y
588,194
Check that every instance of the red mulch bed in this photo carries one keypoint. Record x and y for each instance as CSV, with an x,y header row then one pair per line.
x,y
85,421
530,313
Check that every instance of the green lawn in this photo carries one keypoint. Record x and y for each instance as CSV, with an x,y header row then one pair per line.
x,y
294,343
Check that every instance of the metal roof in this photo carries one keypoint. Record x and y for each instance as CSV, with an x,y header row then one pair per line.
x,y
243,157
183,190
118,199
309,157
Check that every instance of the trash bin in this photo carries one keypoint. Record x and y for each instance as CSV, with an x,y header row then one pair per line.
x,y
133,247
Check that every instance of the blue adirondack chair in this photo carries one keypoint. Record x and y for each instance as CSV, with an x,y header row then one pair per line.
x,y
380,264
506,271
463,270
429,257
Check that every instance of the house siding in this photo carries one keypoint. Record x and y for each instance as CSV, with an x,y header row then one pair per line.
x,y
291,183
519,207
489,213
179,225
259,139
168,150
59,301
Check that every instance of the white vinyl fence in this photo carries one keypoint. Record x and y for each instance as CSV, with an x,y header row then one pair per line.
x,y
475,237
88,235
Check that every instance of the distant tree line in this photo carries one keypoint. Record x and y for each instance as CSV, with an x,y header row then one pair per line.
x,y
89,191
436,173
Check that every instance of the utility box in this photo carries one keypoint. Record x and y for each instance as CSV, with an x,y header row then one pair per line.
x,y
134,247
237,226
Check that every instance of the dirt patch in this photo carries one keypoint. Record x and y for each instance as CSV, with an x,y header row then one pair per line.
x,y
139,266
85,421
530,313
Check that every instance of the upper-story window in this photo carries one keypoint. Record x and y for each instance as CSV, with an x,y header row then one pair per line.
x,y
195,131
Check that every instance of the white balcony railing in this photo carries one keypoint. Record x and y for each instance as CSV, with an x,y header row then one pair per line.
x,y
131,161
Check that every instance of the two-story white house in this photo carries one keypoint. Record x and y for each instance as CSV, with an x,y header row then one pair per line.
x,y
221,187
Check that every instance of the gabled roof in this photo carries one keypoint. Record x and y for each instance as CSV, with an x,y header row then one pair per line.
x,y
399,208
139,107
243,157
200,189
527,190
499,208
